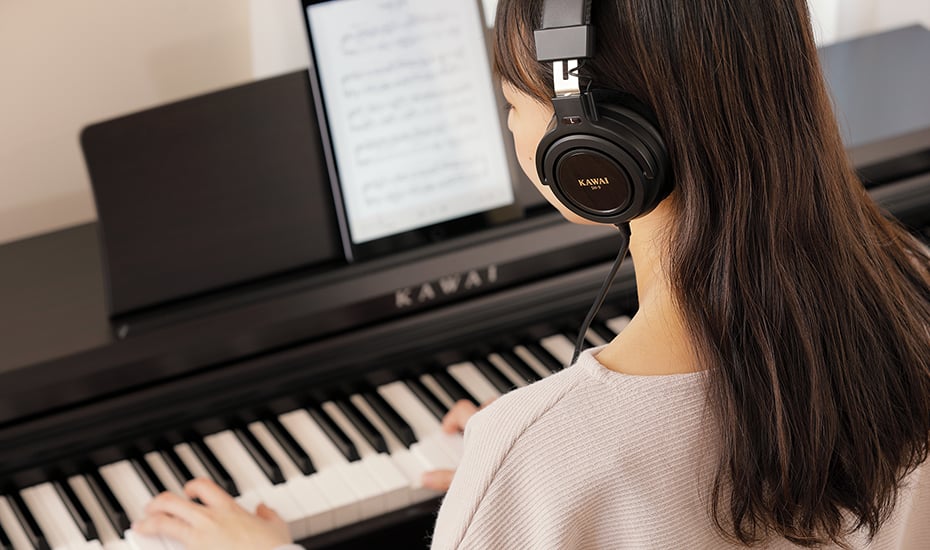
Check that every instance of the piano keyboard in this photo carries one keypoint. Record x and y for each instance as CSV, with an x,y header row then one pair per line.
x,y
322,466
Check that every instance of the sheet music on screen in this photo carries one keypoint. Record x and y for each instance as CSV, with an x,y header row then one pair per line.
x,y
411,111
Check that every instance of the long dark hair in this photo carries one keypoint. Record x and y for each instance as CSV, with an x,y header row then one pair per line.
x,y
810,309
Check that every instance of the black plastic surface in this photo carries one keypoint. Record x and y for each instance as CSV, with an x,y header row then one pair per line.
x,y
210,191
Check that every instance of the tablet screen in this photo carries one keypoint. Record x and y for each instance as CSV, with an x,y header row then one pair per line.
x,y
411,110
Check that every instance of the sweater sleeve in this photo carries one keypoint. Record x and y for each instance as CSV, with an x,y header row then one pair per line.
x,y
472,478
489,437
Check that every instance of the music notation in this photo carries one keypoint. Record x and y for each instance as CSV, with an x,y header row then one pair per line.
x,y
411,110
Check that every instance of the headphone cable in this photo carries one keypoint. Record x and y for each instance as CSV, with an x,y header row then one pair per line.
x,y
602,293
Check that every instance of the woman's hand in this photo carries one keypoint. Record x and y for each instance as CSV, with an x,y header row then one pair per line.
x,y
453,422
218,523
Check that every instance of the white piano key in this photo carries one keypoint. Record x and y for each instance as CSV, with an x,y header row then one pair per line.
x,y
36,502
371,500
266,440
432,442
560,347
105,532
243,471
507,370
411,409
122,480
344,502
164,473
364,449
395,488
473,381
316,510
189,458
249,477
595,339
56,512
530,359
249,501
12,527
432,455
617,324
319,512
133,496
135,541
433,386
412,466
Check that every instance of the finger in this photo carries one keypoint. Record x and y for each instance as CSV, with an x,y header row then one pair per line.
x,y
458,415
173,505
438,480
267,514
211,494
163,524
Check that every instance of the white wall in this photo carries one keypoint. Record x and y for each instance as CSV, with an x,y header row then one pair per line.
x,y
836,20
66,64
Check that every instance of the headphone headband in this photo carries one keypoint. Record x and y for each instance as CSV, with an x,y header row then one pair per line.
x,y
566,32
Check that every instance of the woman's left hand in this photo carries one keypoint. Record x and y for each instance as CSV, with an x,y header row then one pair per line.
x,y
218,523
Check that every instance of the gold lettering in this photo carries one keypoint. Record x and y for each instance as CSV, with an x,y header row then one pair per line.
x,y
593,182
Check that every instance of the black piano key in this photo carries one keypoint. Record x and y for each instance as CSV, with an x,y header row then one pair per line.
x,y
334,433
148,477
259,454
603,330
431,402
75,508
212,464
497,379
107,500
178,469
27,522
520,366
573,337
544,357
592,337
394,422
5,543
452,387
364,427
287,442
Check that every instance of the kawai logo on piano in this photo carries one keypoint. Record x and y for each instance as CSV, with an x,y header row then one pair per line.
x,y
449,285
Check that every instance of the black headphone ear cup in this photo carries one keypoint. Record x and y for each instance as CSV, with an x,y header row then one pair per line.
x,y
603,159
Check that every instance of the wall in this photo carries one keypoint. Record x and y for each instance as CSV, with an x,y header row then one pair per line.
x,y
64,65
836,20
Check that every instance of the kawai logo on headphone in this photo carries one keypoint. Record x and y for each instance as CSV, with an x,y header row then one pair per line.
x,y
593,182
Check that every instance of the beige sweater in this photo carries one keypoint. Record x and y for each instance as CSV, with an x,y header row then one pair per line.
x,y
591,458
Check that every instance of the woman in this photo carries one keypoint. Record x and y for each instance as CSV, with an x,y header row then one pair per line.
x,y
774,386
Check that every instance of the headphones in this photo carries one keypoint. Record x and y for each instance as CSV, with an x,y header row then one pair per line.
x,y
603,156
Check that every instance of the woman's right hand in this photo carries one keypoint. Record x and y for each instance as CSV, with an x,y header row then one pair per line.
x,y
453,422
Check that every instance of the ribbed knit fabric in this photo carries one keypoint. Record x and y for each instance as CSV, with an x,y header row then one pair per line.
x,y
591,458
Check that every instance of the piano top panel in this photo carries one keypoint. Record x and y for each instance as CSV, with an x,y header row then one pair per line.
x,y
52,296
60,348
880,85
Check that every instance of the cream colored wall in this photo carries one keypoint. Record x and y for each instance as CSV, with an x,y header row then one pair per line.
x,y
836,20
64,65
